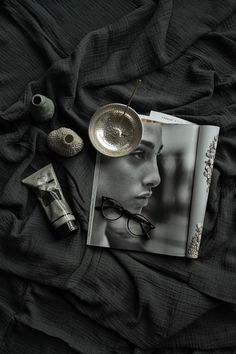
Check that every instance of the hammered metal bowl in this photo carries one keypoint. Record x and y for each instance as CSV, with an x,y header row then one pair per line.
x,y
114,133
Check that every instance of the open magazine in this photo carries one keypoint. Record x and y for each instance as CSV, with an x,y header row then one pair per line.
x,y
154,199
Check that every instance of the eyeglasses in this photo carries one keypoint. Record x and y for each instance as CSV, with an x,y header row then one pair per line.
x,y
137,224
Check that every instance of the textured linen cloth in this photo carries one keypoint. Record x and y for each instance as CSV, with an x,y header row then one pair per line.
x,y
59,296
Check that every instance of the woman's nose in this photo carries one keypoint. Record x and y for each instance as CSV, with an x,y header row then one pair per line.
x,y
151,175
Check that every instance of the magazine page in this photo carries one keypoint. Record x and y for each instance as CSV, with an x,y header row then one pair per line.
x,y
167,118
142,201
207,144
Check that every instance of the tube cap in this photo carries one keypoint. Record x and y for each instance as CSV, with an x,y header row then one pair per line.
x,y
68,227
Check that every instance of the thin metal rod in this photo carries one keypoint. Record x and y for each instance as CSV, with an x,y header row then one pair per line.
x,y
131,97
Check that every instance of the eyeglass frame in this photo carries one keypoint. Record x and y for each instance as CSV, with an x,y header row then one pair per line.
x,y
124,212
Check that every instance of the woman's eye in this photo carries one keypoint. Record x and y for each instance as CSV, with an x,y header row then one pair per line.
x,y
139,154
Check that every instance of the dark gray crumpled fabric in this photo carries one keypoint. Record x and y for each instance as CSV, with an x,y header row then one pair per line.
x,y
59,296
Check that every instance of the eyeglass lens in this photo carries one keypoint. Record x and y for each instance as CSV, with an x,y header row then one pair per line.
x,y
138,228
111,211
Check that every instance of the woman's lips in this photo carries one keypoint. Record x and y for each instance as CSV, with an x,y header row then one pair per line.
x,y
143,198
144,195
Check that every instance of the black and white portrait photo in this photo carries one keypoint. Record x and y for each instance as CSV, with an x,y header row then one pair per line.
x,y
141,201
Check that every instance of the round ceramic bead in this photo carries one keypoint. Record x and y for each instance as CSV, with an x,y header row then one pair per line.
x,y
65,142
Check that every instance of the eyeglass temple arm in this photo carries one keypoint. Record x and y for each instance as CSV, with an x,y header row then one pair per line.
x,y
146,234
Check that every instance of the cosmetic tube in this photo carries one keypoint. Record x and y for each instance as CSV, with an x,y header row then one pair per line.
x,y
47,188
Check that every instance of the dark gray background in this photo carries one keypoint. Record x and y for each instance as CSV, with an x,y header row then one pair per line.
x,y
56,295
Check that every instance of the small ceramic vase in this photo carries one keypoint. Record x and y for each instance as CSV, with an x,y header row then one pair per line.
x,y
65,142
42,108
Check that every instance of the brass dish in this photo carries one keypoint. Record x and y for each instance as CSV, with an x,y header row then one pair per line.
x,y
115,130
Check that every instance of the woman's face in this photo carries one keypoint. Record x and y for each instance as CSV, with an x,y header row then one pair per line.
x,y
130,179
